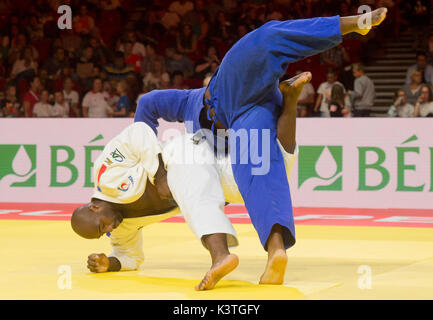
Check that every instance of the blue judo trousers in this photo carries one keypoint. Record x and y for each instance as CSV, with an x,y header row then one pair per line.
x,y
245,96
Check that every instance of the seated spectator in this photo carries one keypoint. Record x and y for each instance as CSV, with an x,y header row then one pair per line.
x,y
4,49
95,103
401,108
43,109
324,93
305,99
100,52
32,97
203,26
363,93
124,104
170,20
110,93
186,41
336,57
204,65
413,90
118,70
430,50
149,61
71,97
83,23
223,28
337,104
35,29
424,104
57,63
176,61
26,67
131,58
178,81
86,64
137,47
158,78
17,47
71,42
422,66
181,7
61,106
9,105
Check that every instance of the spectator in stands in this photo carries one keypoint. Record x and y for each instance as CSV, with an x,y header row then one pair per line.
x,y
137,47
203,26
83,23
43,109
429,53
420,20
181,7
305,99
176,61
99,50
413,90
401,108
170,20
186,41
56,64
204,65
178,81
131,58
35,29
4,49
222,31
32,97
422,66
9,105
337,107
324,93
26,67
95,102
71,97
61,106
363,93
18,46
124,104
110,92
336,57
158,78
118,70
85,66
71,42
424,104
149,61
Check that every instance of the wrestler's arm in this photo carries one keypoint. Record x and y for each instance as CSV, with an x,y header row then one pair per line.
x,y
165,104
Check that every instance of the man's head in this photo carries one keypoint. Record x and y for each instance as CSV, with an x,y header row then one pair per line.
x,y
94,219
416,77
58,97
331,76
97,85
421,60
358,70
36,84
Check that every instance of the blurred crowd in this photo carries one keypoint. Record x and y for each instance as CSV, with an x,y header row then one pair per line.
x,y
120,49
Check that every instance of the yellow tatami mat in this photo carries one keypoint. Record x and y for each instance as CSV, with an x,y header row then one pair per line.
x,y
46,260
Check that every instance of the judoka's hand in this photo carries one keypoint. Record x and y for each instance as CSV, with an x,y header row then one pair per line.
x,y
98,263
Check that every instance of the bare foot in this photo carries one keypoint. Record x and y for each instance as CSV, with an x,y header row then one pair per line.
x,y
291,88
217,272
377,16
275,268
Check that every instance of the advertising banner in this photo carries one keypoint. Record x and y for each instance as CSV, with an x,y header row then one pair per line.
x,y
346,163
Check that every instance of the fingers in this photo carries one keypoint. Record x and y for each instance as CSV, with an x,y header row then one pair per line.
x,y
93,262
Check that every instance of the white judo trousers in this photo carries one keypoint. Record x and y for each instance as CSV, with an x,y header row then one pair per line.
x,y
200,185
